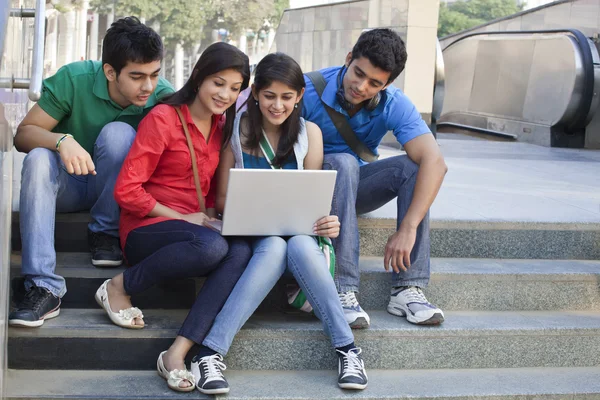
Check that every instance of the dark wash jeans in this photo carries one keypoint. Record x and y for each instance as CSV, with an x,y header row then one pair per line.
x,y
179,249
365,188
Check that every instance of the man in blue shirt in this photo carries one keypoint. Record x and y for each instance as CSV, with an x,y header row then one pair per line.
x,y
361,92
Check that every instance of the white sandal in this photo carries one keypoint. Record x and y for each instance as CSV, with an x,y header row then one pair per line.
x,y
175,377
123,318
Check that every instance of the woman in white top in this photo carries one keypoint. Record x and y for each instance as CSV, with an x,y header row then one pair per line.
x,y
274,111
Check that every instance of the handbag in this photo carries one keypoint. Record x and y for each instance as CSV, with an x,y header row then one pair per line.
x,y
193,156
295,295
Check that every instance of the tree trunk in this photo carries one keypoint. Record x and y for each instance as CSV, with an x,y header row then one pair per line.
x,y
179,56
93,50
66,38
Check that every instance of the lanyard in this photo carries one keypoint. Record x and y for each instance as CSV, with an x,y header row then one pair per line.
x,y
267,150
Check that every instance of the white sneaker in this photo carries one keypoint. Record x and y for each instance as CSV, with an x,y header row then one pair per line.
x,y
356,317
410,302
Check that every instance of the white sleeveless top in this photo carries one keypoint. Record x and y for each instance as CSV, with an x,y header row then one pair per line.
x,y
300,147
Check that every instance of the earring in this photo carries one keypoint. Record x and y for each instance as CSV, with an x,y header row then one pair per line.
x,y
256,102
296,105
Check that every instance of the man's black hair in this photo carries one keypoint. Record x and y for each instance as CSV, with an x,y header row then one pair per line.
x,y
384,48
128,40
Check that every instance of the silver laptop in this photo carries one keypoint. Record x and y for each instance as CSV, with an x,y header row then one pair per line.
x,y
266,202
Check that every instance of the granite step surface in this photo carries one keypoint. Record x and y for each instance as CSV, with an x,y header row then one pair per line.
x,y
460,384
453,238
456,284
85,339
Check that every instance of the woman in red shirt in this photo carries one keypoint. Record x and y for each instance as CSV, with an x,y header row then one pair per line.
x,y
162,226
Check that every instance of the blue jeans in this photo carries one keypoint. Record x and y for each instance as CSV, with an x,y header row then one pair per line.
x,y
361,189
179,249
47,188
272,255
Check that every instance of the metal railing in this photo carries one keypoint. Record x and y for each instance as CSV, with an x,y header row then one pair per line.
x,y
439,87
34,84
6,140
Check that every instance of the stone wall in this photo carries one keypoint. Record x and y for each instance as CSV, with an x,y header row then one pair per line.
x,y
321,36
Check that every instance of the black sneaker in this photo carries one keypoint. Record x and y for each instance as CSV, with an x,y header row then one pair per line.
x,y
351,369
208,372
105,249
37,305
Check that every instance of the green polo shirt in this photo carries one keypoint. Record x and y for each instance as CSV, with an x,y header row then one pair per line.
x,y
77,97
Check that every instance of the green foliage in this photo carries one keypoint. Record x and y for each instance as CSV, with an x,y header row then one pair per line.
x,y
277,11
238,16
187,21
181,21
465,14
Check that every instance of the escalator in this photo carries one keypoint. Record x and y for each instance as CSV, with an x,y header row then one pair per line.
x,y
538,87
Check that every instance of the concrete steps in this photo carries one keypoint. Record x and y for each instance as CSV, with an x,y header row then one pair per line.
x,y
522,305
459,384
456,239
456,284
85,339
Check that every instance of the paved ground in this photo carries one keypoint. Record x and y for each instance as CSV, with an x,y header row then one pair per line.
x,y
501,181
510,181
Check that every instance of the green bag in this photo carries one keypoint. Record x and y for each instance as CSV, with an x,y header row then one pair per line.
x,y
297,298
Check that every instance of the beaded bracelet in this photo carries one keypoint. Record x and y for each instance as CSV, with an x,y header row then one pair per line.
x,y
63,137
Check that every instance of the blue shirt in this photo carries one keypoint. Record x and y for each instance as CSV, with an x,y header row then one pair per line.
x,y
253,162
395,113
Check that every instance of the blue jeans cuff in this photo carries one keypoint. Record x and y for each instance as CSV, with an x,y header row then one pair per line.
x,y
347,288
343,343
41,283
214,347
422,283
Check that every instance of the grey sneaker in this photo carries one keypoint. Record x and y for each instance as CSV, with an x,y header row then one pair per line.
x,y
410,302
356,317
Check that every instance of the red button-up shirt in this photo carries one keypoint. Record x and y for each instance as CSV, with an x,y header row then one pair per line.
x,y
158,168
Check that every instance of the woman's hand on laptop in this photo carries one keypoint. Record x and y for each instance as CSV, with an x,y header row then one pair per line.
x,y
198,218
327,226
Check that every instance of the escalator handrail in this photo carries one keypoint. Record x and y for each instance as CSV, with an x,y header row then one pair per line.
x,y
582,111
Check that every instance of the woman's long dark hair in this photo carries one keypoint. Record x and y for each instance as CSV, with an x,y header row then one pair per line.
x,y
217,57
275,67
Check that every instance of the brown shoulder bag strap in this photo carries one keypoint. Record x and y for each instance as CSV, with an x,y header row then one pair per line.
x,y
340,122
194,166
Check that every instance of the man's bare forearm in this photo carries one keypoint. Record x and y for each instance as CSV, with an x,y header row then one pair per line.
x,y
429,180
29,137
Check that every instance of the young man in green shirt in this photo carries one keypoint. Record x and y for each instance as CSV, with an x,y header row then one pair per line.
x,y
77,137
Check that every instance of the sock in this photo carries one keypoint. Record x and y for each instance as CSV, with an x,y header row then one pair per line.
x,y
347,348
204,351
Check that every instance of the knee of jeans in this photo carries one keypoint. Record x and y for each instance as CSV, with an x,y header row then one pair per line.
x,y
40,166
114,141
408,168
241,250
274,246
301,243
346,164
305,246
211,249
